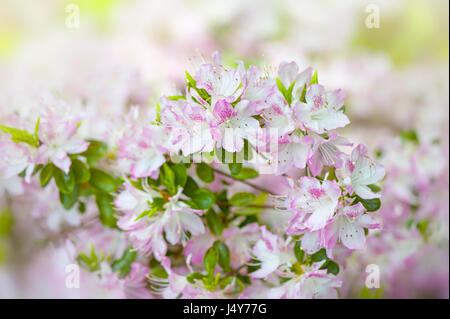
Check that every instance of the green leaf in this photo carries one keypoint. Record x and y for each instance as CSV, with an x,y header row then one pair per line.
x,y
205,172
167,178
69,200
210,260
235,168
95,152
319,255
190,82
193,277
123,265
190,187
102,181
248,211
46,174
20,136
299,252
180,172
246,173
374,188
409,136
370,205
6,222
374,293
242,199
331,267
106,210
176,97
223,254
314,79
203,198
81,171
65,182
214,222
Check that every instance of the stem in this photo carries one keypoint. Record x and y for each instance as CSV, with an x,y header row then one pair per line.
x,y
261,189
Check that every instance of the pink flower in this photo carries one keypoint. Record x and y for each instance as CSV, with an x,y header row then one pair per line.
x,y
187,127
141,152
313,283
293,151
221,84
272,253
322,110
147,232
314,204
232,125
16,158
288,73
325,152
57,135
364,172
347,227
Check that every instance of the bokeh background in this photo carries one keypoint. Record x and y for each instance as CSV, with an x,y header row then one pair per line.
x,y
126,53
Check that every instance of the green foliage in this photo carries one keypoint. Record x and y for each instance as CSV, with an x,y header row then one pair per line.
x,y
214,222
22,136
235,168
190,187
210,260
314,79
65,182
92,262
331,267
96,151
409,136
81,171
46,174
299,252
370,205
246,173
167,178
102,181
106,209
321,254
203,198
69,200
242,199
123,265
223,254
374,293
205,172
191,83
287,93
6,222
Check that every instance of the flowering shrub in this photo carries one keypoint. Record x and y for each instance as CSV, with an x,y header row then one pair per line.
x,y
238,186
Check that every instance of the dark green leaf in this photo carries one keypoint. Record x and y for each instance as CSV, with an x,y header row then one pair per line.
x,y
180,172
65,182
106,210
123,265
81,171
203,198
190,187
69,200
102,181
370,205
319,255
214,222
331,267
205,172
46,174
223,254
95,152
193,277
299,252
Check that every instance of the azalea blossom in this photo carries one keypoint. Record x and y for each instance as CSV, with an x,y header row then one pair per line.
x,y
364,172
313,202
58,138
322,110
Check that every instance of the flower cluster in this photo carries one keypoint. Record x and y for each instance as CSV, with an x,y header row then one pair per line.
x,y
194,189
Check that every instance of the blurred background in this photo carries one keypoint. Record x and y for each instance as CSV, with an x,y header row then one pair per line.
x,y
391,57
